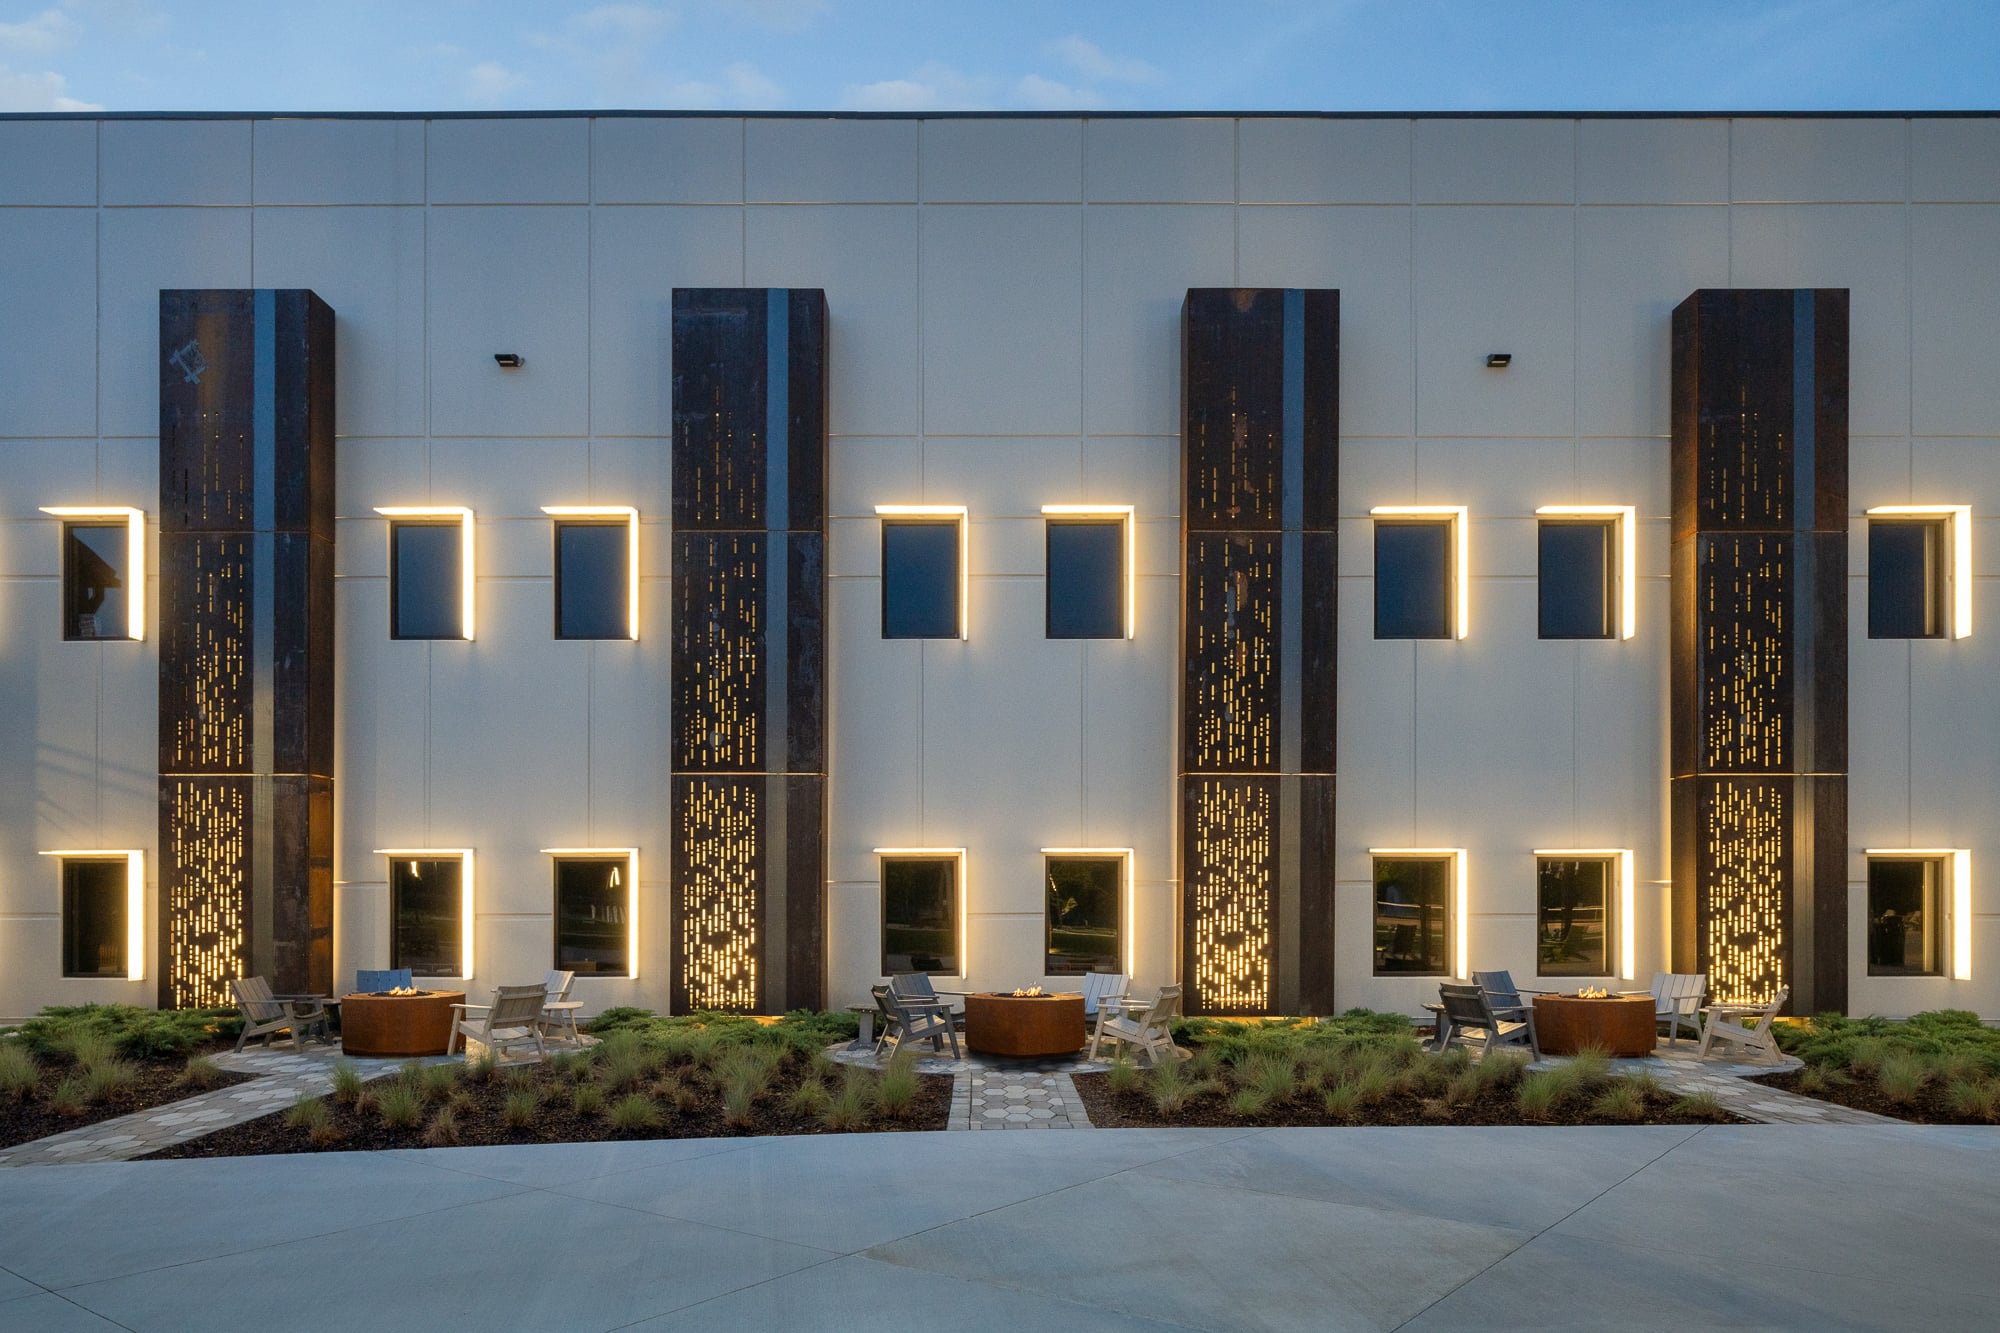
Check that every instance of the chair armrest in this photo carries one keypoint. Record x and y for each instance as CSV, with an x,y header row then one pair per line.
x,y
1499,1009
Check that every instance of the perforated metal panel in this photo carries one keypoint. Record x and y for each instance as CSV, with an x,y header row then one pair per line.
x,y
1232,601
204,868
1747,868
1744,595
719,650
718,869
1232,861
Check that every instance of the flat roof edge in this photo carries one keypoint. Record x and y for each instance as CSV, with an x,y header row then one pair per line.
x,y
616,114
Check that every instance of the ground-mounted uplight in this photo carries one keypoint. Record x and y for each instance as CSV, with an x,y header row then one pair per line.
x,y
462,855
135,899
135,553
1628,953
1461,952
442,513
1625,519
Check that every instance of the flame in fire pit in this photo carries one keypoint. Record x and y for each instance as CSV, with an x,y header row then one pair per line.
x,y
1593,993
1028,993
403,990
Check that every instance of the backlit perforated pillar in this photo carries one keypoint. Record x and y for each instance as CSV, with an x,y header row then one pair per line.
x,y
749,649
246,643
1260,468
1759,671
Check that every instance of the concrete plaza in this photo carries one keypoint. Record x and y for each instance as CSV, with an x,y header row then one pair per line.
x,y
1768,1226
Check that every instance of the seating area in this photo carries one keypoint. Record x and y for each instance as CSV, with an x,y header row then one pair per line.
x,y
400,1019
1493,1012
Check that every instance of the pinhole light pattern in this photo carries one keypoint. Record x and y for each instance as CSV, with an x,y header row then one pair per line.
x,y
1744,592
205,655
718,843
207,863
719,650
1748,823
1233,863
1232,661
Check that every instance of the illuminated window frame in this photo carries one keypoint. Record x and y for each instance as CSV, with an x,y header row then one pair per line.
x,y
606,514
1958,865
1460,518
955,854
1626,519
1628,951
1122,855
135,556
1126,515
466,574
135,902
630,856
1958,531
463,855
960,515
1461,955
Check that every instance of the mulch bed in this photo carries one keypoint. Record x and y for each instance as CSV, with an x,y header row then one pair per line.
x,y
480,1123
157,1084
1134,1110
1932,1106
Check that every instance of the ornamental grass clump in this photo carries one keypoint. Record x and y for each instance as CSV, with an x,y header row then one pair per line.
x,y
88,1048
1501,1070
442,1131
68,1097
201,1072
481,1070
437,1082
400,1106
586,1100
347,1082
307,1112
808,1100
520,1108
1342,1101
1463,1089
1974,1099
1703,1105
624,1061
634,1112
1901,1076
1540,1092
1122,1076
896,1091
1623,1100
18,1071
1273,1076
103,1081
849,1107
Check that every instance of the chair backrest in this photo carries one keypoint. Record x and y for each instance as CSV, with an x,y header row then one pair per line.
x,y
1465,1006
253,996
1669,987
1770,1011
515,1006
1101,986
1499,988
1164,1007
557,985
388,978
912,986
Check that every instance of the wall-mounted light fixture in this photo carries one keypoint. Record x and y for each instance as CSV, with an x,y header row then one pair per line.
x,y
135,902
1460,518
958,514
607,513
1499,360
957,856
1461,936
630,856
509,360
1122,855
462,855
1124,514
1959,861
1628,951
465,571
1957,520
1626,518
135,555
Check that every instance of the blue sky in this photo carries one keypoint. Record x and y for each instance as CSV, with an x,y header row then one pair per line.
x,y
895,55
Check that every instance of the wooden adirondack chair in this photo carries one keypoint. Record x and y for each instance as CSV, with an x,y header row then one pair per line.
x,y
1467,1009
1725,1022
912,1020
1100,988
265,1013
513,1019
1503,997
1146,1026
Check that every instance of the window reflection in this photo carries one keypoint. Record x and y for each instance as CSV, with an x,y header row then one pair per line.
x,y
593,934
593,588
426,907
1573,916
1905,923
93,914
920,579
425,580
1086,579
94,590
920,915
1085,895
1412,916
1577,580
1413,592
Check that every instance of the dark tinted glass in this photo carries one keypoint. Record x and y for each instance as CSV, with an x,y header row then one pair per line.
x,y
1412,917
920,915
1574,914
93,917
1905,923
425,599
1086,581
1412,580
1577,580
94,556
593,938
425,902
592,588
1084,899
920,581
1905,592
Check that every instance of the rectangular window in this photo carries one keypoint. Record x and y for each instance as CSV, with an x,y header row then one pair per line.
x,y
920,914
1906,897
593,916
427,581
97,581
95,903
1573,913
1419,572
1577,579
1089,580
1413,915
923,573
1906,593
427,914
596,596
1084,914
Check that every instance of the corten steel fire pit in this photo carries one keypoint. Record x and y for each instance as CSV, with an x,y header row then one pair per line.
x,y
1000,1024
379,1023
1619,1024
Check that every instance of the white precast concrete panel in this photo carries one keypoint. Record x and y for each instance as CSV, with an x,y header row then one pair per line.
x,y
1322,161
48,163
1955,161
1652,161
862,470
1633,266
1138,262
643,160
830,161
875,793
368,264
173,162
48,336
637,257
1002,161
1802,160
1163,161
1139,471
509,279
512,161
338,162
140,252
382,714
1954,290
1495,161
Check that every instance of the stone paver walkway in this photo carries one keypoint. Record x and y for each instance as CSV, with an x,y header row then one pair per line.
x,y
992,1092
281,1077
1680,1069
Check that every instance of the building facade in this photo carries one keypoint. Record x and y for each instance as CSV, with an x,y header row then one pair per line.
x,y
735,557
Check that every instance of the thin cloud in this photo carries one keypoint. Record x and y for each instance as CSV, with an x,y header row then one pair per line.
x,y
488,83
1091,60
46,91
778,15
1044,94
631,22
930,87
51,30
